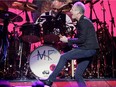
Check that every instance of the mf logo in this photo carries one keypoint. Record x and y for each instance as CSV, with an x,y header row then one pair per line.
x,y
45,55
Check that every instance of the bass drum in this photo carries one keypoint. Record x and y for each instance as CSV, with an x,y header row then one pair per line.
x,y
43,61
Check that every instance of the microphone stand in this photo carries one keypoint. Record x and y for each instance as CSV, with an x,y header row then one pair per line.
x,y
98,23
104,46
91,6
113,43
112,19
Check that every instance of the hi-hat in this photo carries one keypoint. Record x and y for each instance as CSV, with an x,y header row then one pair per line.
x,y
12,16
26,6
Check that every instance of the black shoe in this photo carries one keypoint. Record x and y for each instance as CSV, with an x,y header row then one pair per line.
x,y
47,82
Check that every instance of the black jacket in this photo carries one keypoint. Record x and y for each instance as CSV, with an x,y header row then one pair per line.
x,y
86,35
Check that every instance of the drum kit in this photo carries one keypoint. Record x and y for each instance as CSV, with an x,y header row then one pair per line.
x,y
16,60
31,33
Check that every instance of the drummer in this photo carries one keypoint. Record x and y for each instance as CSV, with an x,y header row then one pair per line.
x,y
55,15
57,22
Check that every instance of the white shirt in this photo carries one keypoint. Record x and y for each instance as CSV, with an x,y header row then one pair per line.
x,y
40,20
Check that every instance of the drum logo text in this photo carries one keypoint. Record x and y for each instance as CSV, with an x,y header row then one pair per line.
x,y
45,55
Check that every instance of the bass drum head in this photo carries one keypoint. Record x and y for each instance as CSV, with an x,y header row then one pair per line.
x,y
43,61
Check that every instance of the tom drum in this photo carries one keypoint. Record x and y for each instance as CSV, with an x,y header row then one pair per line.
x,y
30,32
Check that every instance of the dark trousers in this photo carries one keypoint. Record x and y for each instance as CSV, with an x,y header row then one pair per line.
x,y
76,53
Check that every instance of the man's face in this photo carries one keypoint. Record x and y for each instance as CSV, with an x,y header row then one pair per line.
x,y
55,10
56,6
74,11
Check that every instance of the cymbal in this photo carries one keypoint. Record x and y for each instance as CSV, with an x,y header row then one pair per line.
x,y
8,2
65,7
21,5
12,16
3,6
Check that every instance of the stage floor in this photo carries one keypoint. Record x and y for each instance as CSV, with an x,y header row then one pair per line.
x,y
68,83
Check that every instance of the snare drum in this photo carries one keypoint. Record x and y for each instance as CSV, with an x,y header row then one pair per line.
x,y
43,61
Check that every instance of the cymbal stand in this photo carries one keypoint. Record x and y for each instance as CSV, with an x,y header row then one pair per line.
x,y
18,52
113,44
20,56
26,14
20,45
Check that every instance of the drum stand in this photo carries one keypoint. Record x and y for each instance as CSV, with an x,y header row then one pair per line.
x,y
72,69
19,53
24,67
21,68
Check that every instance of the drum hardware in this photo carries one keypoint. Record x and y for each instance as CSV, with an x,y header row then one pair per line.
x,y
14,54
23,59
23,64
20,53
